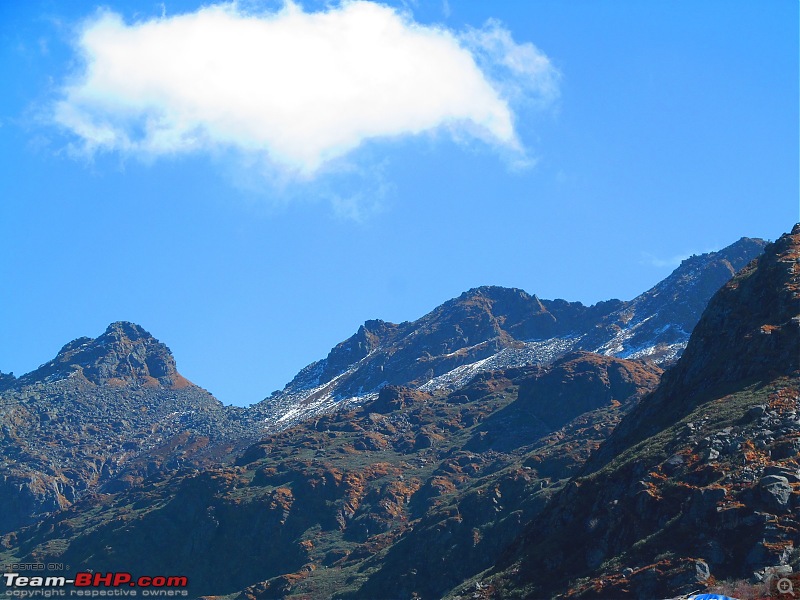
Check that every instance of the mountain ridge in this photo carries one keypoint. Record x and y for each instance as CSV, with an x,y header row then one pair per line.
x,y
492,327
699,479
471,483
522,319
128,379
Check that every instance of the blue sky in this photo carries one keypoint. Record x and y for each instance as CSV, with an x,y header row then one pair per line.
x,y
251,198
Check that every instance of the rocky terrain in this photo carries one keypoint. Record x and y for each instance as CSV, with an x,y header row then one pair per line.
x,y
102,415
490,328
352,502
107,412
701,481
500,446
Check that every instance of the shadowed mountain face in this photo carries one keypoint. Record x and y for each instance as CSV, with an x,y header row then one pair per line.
x,y
702,476
490,328
571,386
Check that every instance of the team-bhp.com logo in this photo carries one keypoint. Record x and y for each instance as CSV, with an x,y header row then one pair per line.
x,y
94,585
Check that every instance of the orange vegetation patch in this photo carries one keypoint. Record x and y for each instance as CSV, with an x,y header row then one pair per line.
x,y
282,498
753,455
652,490
784,399
442,485
398,494
778,546
179,382
149,382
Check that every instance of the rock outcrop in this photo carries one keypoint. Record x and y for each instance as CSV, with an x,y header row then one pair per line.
x,y
702,472
125,355
102,415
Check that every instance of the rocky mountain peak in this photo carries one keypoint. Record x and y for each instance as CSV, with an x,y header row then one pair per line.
x,y
749,329
495,293
491,327
748,333
739,251
369,337
6,380
727,261
670,310
125,330
124,355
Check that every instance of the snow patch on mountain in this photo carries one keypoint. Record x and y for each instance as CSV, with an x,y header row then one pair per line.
x,y
530,353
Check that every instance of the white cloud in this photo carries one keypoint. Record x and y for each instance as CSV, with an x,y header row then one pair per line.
x,y
295,89
519,71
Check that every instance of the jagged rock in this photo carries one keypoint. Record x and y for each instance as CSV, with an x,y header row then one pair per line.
x,y
423,441
6,380
704,503
103,415
776,492
703,570
393,398
791,475
125,354
714,553
673,463
776,571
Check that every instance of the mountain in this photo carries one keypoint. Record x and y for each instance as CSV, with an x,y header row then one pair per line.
x,y
125,355
358,503
102,415
554,477
700,480
491,328
407,462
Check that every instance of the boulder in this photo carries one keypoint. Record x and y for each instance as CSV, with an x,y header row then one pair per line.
x,y
775,492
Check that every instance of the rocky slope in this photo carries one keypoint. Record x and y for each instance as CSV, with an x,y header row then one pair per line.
x,y
139,415
410,459
701,481
491,328
364,503
102,415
